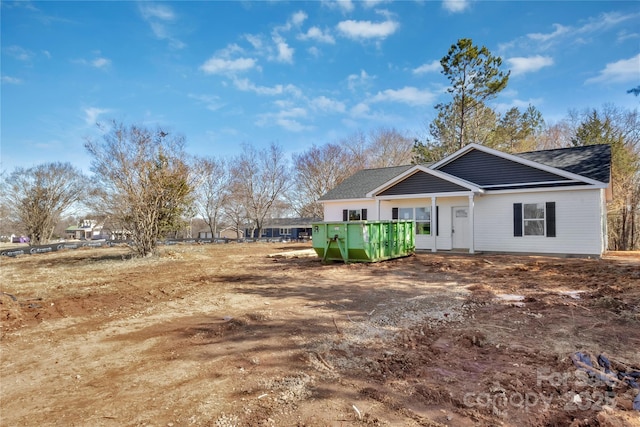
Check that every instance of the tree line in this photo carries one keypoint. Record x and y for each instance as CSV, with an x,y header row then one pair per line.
x,y
143,181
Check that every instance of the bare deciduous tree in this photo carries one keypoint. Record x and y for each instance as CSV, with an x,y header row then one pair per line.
x,y
317,171
388,147
260,178
145,183
212,191
38,197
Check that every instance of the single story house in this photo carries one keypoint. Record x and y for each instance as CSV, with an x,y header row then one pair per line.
x,y
286,228
483,200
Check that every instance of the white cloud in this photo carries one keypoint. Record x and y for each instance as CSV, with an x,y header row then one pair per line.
x,y
298,18
624,35
101,62
455,6
91,115
503,107
19,53
373,3
623,71
159,17
11,80
247,86
315,33
367,29
355,81
211,102
256,41
157,11
541,37
216,65
407,95
314,51
360,110
292,125
430,67
523,65
285,119
343,5
322,103
604,21
284,51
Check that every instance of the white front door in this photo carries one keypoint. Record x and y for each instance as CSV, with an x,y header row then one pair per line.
x,y
460,227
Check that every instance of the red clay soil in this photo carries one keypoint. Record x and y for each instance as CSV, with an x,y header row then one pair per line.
x,y
226,335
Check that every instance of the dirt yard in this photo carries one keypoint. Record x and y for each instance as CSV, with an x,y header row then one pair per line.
x,y
226,335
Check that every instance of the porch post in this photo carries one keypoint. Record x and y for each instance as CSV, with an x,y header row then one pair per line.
x,y
378,209
434,224
471,221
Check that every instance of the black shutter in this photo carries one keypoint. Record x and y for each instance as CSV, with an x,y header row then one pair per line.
x,y
517,219
364,214
345,215
551,219
394,213
437,220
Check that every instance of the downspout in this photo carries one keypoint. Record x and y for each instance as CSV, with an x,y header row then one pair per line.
x,y
471,223
434,224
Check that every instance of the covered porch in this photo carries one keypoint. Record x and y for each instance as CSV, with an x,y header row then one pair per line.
x,y
442,221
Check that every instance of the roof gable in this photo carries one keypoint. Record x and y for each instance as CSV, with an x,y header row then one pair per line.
x,y
422,183
486,169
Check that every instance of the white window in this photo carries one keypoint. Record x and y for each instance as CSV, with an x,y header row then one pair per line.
x,y
405,213
533,219
422,217
285,231
423,221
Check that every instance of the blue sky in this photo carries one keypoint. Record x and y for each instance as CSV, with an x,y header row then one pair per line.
x,y
294,73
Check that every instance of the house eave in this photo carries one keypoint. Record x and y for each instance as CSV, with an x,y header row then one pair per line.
x,y
546,189
430,195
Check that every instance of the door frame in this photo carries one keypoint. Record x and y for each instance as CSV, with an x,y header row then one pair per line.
x,y
464,224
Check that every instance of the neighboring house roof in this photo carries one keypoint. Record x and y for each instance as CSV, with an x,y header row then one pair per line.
x,y
492,170
290,222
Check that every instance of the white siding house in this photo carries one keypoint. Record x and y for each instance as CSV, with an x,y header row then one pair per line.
x,y
483,200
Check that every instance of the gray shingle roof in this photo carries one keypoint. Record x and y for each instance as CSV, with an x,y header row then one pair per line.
x,y
362,182
591,161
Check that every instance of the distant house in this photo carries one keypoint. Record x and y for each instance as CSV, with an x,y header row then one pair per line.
x,y
481,199
87,229
286,228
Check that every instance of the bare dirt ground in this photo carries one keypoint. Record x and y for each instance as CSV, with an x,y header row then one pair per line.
x,y
224,335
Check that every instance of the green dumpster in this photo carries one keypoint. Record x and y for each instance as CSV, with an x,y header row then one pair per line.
x,y
363,241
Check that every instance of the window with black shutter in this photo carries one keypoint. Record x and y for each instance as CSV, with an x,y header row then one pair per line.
x,y
517,219
551,219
